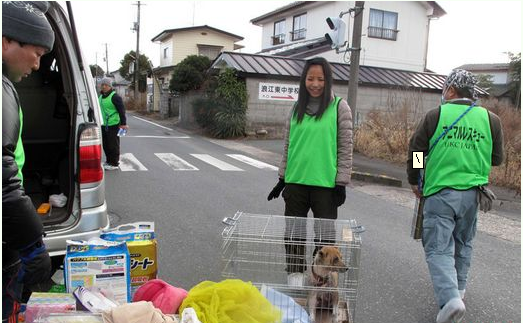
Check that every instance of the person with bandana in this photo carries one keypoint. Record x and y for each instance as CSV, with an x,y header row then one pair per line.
x,y
457,163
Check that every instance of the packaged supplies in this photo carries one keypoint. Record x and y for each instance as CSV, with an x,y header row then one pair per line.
x,y
93,299
73,317
100,263
41,304
142,249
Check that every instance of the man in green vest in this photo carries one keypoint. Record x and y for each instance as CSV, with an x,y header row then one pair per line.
x,y
26,37
456,164
113,115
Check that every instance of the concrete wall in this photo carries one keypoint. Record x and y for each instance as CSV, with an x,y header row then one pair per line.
x,y
271,115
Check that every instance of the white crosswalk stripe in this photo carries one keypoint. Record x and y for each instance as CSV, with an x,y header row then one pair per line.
x,y
175,162
129,163
217,163
252,162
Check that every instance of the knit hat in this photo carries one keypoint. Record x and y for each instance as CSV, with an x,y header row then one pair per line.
x,y
462,80
25,22
106,81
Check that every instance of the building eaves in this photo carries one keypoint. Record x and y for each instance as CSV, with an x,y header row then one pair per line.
x,y
289,67
164,33
485,67
280,10
438,11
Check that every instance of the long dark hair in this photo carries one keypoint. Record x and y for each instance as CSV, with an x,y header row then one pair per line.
x,y
303,95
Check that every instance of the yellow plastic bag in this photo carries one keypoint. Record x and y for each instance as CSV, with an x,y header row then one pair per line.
x,y
230,301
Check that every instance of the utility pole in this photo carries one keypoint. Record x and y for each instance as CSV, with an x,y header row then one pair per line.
x,y
355,59
137,66
106,60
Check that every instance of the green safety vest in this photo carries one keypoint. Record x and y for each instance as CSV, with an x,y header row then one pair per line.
x,y
19,150
110,115
463,158
312,155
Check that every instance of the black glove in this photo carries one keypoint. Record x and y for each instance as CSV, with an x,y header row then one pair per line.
x,y
36,265
339,195
275,193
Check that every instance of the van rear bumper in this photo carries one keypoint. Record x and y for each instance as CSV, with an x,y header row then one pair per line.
x,y
92,222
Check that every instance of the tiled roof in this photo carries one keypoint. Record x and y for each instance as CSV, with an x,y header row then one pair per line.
x,y
253,64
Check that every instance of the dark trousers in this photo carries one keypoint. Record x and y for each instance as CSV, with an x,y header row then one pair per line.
x,y
299,199
11,294
111,144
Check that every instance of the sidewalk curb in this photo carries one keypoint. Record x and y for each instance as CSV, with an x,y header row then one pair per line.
x,y
377,179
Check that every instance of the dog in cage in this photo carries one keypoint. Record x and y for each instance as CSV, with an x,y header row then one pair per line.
x,y
326,265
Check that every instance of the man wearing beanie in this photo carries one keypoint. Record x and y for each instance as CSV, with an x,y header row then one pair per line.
x,y
457,165
113,114
26,36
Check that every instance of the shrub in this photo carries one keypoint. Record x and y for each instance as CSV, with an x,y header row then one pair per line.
x,y
189,74
204,110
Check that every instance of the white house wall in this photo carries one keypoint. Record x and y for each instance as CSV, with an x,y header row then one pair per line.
x,y
169,45
406,53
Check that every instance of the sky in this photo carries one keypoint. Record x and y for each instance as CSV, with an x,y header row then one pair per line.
x,y
470,32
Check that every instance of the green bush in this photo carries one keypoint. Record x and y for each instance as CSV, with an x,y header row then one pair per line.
x,y
204,110
189,74
223,114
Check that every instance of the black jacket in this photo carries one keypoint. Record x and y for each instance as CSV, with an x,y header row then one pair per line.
x,y
21,225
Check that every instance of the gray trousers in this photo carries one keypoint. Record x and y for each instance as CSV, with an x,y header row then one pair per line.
x,y
449,226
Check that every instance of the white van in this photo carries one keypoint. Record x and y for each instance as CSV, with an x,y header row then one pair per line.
x,y
62,140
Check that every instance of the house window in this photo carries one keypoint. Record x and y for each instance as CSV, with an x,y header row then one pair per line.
x,y
210,51
279,32
165,52
383,24
299,27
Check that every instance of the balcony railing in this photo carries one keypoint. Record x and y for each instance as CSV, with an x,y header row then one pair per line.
x,y
383,33
278,39
298,34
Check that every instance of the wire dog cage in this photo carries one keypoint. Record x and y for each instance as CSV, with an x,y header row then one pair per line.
x,y
307,267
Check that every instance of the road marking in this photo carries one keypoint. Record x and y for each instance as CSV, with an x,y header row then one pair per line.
x,y
160,137
144,120
175,162
129,163
252,162
217,163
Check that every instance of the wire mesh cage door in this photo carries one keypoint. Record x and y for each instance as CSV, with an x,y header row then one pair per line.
x,y
309,267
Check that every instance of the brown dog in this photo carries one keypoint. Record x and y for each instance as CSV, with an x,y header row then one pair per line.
x,y
326,265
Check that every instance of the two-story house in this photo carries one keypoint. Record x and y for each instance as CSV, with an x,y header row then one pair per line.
x,y
393,59
177,44
394,33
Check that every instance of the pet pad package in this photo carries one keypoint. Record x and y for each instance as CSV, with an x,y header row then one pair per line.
x,y
142,249
42,304
99,263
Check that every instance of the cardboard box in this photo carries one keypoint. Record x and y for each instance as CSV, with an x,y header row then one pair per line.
x,y
142,245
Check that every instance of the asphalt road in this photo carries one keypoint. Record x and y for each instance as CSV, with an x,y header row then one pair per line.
x,y
188,207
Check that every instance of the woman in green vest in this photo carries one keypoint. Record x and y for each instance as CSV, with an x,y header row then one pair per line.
x,y
316,163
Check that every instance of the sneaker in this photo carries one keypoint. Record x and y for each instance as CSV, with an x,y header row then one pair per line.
x,y
462,293
452,312
110,167
295,279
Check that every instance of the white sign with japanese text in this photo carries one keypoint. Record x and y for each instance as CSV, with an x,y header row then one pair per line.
x,y
278,91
